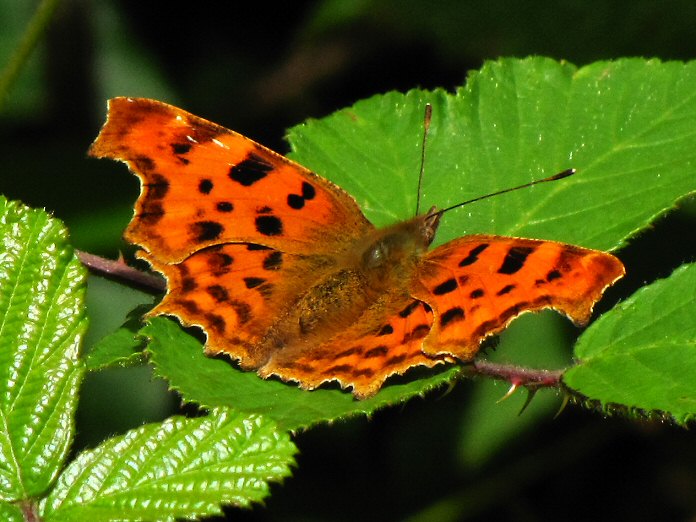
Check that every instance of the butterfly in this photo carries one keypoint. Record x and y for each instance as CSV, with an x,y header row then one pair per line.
x,y
285,275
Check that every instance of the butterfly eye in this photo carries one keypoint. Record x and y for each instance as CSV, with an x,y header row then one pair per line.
x,y
376,255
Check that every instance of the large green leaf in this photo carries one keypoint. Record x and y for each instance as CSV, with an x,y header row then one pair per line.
x,y
214,382
11,513
626,126
42,321
642,354
181,468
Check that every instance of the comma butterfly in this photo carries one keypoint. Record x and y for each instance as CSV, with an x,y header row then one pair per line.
x,y
285,274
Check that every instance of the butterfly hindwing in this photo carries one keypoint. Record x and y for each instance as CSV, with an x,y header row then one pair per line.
x,y
364,355
235,291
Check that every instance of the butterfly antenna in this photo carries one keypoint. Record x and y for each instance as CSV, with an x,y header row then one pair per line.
x,y
426,130
560,175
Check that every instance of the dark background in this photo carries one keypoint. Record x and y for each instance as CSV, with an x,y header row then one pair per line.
x,y
261,67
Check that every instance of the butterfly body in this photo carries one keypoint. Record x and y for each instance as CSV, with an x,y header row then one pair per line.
x,y
285,274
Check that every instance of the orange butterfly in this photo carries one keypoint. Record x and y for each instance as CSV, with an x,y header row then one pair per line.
x,y
286,275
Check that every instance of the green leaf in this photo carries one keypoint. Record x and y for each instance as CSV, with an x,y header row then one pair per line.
x,y
121,348
626,126
642,354
214,382
181,468
110,306
42,321
11,513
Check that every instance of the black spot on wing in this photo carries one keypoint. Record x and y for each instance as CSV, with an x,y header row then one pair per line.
x,y
506,289
190,306
377,351
224,206
476,294
206,230
409,309
157,187
205,186
446,287
350,351
216,322
515,259
472,256
266,290
553,274
151,212
308,190
297,201
144,164
269,225
452,315
218,293
220,263
273,261
252,169
337,369
418,332
188,284
397,359
387,329
253,282
181,148
242,309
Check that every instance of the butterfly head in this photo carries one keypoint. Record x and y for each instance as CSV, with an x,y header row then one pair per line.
x,y
400,244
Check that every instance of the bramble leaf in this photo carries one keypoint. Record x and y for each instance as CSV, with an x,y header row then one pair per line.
x,y
42,322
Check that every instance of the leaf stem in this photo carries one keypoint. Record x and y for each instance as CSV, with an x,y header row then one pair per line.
x,y
35,29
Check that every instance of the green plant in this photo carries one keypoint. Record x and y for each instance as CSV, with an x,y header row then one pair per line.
x,y
634,162
625,125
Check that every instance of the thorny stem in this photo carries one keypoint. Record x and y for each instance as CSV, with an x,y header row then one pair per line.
x,y
530,378
518,376
120,270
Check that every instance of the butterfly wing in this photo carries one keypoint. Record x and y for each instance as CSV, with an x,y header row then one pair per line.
x,y
205,185
235,292
364,355
477,284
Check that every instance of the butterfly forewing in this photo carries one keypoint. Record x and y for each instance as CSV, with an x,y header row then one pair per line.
x,y
204,185
477,284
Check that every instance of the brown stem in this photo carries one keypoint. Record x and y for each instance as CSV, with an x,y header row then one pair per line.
x,y
30,511
118,269
518,375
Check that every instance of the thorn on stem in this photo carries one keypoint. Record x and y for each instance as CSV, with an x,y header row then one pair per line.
x,y
564,403
531,392
508,394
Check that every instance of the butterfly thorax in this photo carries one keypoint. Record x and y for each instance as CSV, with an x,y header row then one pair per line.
x,y
354,289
